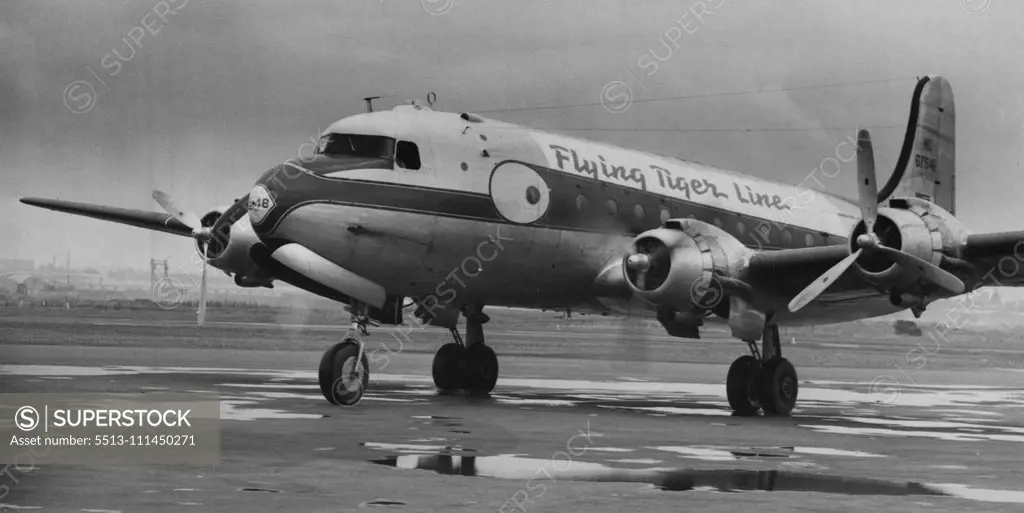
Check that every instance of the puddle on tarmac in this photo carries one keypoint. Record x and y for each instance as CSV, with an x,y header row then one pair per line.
x,y
240,410
515,467
381,503
718,453
974,436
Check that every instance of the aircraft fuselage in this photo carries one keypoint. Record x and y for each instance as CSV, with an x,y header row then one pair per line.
x,y
511,216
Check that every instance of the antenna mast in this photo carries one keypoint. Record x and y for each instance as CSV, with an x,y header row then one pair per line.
x,y
369,102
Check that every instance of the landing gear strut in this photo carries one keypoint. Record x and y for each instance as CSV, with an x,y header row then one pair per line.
x,y
763,379
344,370
467,364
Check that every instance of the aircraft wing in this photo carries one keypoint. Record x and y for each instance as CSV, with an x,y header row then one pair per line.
x,y
998,257
992,259
158,221
786,272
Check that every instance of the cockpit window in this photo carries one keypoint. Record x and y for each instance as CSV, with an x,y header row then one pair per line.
x,y
369,146
407,156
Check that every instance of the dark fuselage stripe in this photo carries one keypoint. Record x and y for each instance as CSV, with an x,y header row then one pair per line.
x,y
564,212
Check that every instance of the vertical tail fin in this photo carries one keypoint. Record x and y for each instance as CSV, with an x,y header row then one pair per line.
x,y
927,165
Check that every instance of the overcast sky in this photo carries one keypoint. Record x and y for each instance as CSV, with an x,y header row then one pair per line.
x,y
209,94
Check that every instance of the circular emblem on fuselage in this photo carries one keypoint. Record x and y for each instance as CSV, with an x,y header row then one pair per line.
x,y
519,193
261,202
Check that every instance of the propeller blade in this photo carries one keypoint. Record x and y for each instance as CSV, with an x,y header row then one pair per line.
x,y
927,270
823,282
202,288
867,188
187,218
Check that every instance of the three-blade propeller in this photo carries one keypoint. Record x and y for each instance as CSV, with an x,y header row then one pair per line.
x,y
869,242
199,232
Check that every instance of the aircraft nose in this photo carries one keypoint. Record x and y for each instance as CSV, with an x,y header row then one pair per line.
x,y
272,194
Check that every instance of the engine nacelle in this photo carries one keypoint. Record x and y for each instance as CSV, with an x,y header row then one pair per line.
x,y
914,226
675,266
229,250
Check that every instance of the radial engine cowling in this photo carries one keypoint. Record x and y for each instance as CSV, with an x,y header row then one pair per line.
x,y
677,266
229,248
914,226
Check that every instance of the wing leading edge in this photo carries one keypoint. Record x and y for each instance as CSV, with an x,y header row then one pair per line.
x,y
157,221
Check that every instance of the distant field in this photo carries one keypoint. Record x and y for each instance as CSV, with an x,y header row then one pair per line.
x,y
858,345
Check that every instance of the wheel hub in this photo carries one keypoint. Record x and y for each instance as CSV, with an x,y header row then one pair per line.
x,y
351,374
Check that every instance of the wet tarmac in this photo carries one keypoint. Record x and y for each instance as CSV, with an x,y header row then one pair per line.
x,y
547,443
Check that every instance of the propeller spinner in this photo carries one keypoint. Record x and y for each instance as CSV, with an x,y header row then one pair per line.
x,y
869,243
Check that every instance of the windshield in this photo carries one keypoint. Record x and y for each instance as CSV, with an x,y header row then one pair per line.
x,y
371,146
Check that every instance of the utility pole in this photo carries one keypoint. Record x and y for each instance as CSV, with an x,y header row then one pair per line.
x,y
69,267
154,264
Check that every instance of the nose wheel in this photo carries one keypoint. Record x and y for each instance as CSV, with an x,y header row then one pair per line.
x,y
344,371
762,380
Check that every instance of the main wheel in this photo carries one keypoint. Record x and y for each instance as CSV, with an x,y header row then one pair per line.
x,y
349,376
480,369
778,388
445,369
741,383
325,375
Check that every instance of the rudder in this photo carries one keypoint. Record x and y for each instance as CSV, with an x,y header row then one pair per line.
x,y
927,163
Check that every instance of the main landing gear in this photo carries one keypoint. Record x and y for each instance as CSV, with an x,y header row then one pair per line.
x,y
344,370
468,364
763,379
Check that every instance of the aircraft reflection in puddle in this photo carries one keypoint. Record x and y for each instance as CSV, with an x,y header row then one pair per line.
x,y
520,468
515,467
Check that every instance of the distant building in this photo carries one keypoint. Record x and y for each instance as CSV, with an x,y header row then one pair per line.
x,y
14,265
31,286
8,287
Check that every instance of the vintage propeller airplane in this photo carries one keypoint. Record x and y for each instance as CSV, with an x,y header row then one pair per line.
x,y
455,211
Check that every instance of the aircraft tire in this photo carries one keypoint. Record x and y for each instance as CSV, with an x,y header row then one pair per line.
x,y
325,374
446,367
345,390
778,388
740,385
479,367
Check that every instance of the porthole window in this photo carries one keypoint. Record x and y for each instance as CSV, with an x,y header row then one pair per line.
x,y
665,214
718,222
581,203
612,206
465,166
741,228
808,240
639,211
787,238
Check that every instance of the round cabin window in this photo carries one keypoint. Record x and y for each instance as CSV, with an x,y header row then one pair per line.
x,y
639,211
581,203
612,206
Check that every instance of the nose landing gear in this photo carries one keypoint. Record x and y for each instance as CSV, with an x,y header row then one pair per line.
x,y
344,372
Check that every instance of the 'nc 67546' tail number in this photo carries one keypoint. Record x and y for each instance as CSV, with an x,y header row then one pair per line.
x,y
923,162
